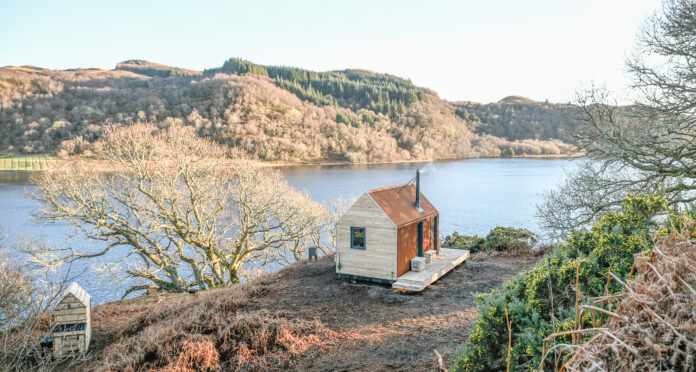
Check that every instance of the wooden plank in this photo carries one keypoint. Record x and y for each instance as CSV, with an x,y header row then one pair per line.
x,y
70,319
417,281
73,305
79,310
67,335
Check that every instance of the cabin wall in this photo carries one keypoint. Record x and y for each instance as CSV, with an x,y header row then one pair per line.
x,y
70,310
378,259
407,243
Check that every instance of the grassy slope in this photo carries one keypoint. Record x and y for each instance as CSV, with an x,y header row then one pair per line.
x,y
301,318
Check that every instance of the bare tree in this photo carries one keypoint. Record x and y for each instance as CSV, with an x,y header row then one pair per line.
x,y
175,210
648,147
324,237
25,297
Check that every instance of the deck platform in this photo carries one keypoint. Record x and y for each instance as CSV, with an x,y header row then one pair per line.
x,y
447,260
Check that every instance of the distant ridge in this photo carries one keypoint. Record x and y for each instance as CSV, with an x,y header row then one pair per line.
x,y
516,99
270,113
517,118
152,69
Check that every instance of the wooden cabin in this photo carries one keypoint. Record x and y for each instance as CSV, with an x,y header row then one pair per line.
x,y
385,228
72,328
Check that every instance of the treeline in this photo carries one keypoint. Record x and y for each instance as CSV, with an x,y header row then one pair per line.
x,y
353,89
259,117
518,118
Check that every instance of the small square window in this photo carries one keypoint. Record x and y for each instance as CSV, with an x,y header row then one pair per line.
x,y
357,237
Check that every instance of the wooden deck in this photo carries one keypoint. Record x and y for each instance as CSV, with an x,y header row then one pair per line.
x,y
418,281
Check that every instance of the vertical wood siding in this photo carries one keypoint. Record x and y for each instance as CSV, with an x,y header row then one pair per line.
x,y
378,259
408,243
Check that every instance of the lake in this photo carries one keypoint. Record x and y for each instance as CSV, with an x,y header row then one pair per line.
x,y
473,196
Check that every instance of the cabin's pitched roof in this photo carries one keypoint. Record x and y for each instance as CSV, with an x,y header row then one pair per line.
x,y
78,292
398,203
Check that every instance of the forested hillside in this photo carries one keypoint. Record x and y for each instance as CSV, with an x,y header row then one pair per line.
x,y
354,89
267,113
518,118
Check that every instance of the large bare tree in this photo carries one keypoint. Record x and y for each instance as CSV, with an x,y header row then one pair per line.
x,y
648,147
170,205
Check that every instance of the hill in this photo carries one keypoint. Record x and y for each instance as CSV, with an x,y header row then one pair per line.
x,y
269,113
300,318
353,89
152,69
516,99
516,118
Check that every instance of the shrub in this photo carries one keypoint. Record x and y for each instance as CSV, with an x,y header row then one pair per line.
x,y
656,326
541,301
500,239
25,298
456,241
510,239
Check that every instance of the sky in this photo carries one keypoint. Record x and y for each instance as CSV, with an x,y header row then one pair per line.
x,y
464,50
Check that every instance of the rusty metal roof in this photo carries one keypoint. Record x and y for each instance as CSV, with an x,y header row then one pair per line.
x,y
398,202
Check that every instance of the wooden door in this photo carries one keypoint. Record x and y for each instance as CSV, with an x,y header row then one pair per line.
x,y
420,239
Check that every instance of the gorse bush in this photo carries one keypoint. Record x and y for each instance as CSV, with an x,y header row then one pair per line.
x,y
541,301
509,239
500,239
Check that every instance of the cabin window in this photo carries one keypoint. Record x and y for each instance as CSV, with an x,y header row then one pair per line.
x,y
357,237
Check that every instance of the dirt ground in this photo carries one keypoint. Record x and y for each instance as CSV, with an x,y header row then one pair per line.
x,y
384,330
371,328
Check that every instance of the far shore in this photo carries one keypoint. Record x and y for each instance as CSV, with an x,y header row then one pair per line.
x,y
102,165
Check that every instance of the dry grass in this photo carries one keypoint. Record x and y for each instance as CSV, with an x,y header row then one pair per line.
x,y
205,332
197,354
654,326
300,318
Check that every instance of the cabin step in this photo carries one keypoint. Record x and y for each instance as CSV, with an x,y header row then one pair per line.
x,y
408,287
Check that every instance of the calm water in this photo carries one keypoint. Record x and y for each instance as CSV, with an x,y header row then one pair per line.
x,y
473,196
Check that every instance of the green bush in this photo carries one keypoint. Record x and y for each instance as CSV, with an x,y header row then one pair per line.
x,y
456,241
500,239
541,301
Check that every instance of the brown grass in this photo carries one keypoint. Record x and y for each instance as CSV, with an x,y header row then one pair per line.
x,y
654,326
206,332
301,318
196,354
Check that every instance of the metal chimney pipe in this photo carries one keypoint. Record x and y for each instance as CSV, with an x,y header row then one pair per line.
x,y
418,206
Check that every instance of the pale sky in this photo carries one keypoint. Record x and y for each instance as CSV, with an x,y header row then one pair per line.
x,y
464,50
